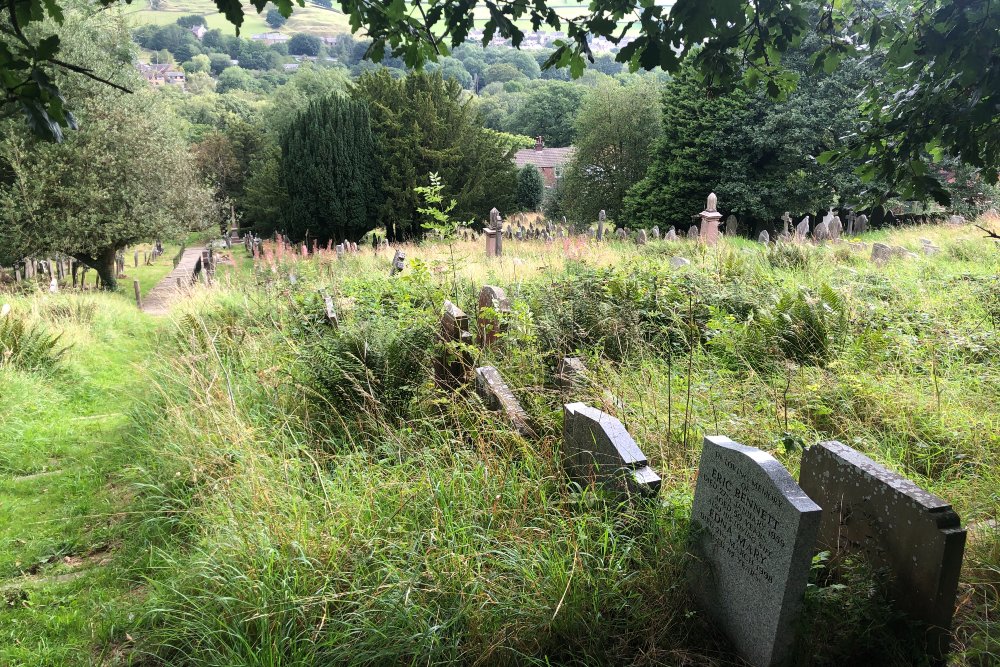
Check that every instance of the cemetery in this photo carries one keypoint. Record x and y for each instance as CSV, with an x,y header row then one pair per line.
x,y
499,334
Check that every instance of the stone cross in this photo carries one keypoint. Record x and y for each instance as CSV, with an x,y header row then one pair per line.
x,y
896,526
398,262
493,315
786,219
753,531
597,450
710,221
498,397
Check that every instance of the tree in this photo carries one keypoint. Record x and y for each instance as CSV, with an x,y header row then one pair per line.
x,y
219,62
302,44
530,188
328,170
548,110
200,63
501,73
125,177
191,21
236,78
256,55
275,18
616,129
424,124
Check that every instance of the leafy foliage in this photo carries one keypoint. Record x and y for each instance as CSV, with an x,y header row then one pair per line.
x,y
530,188
328,170
24,345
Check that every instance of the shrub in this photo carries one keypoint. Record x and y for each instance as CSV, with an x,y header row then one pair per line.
x,y
26,346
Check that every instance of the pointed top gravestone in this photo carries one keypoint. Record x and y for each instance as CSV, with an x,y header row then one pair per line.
x,y
732,225
764,237
671,234
836,228
655,232
802,229
640,239
753,531
693,232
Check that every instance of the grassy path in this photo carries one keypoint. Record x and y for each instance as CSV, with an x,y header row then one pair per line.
x,y
63,446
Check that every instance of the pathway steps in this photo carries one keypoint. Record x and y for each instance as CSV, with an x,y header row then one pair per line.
x,y
158,301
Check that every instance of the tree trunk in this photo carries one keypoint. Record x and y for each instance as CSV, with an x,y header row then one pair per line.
x,y
105,264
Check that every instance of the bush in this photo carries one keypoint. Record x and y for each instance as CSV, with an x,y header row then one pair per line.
x,y
274,18
530,187
304,45
26,346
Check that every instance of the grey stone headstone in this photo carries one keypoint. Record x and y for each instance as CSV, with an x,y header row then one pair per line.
x,y
340,251
571,373
693,232
802,229
600,225
598,450
452,366
641,238
498,397
764,237
822,231
786,220
881,253
671,234
620,233
329,311
655,232
861,224
836,228
753,531
677,262
895,525
398,262
732,225
492,315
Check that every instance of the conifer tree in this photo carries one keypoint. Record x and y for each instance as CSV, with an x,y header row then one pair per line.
x,y
328,171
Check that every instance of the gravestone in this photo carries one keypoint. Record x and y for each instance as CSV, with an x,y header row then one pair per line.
x,y
693,232
802,229
861,224
753,531
655,232
398,262
822,232
340,251
881,253
764,237
671,234
620,233
786,220
641,238
329,311
710,218
498,397
597,450
836,228
828,218
452,365
493,314
732,225
677,262
895,525
600,225
571,373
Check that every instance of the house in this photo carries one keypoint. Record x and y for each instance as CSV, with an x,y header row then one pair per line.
x,y
199,31
549,161
270,38
161,74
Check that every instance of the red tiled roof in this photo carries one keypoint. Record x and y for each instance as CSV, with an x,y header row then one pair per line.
x,y
547,157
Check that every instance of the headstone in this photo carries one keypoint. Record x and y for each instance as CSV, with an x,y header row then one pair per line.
x,y
600,225
836,228
930,250
597,450
786,220
620,233
693,232
764,237
851,219
732,225
655,232
498,397
398,262
571,373
452,366
881,253
329,311
960,220
677,262
895,525
340,251
802,229
671,234
753,531
828,218
861,224
641,238
493,314
710,218
822,232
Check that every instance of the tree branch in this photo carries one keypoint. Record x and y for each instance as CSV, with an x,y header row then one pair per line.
x,y
989,234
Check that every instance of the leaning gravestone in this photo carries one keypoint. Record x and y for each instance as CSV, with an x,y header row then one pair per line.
x,y
753,531
881,253
571,373
598,450
895,525
498,397
493,314
452,366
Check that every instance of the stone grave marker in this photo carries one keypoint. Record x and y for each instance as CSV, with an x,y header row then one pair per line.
x,y
710,218
802,229
493,314
329,311
732,225
498,397
881,253
398,262
452,366
821,232
620,233
598,450
764,237
571,373
671,234
678,262
641,238
836,228
655,232
600,225
693,232
786,220
894,524
861,224
753,531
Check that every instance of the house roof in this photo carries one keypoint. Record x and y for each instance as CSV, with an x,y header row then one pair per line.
x,y
546,157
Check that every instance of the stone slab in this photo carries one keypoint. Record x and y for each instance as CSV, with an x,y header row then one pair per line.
x,y
895,524
597,450
497,396
753,533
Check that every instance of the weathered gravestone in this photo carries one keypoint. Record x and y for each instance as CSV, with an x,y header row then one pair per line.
x,y
571,373
836,228
802,229
678,262
671,234
452,366
655,232
861,224
493,313
732,225
881,253
895,525
398,262
329,310
753,531
498,397
821,232
641,238
597,450
693,232
340,250
600,225
764,237
620,233
786,221
710,218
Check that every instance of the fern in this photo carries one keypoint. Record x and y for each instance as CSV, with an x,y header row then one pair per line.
x,y
27,346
